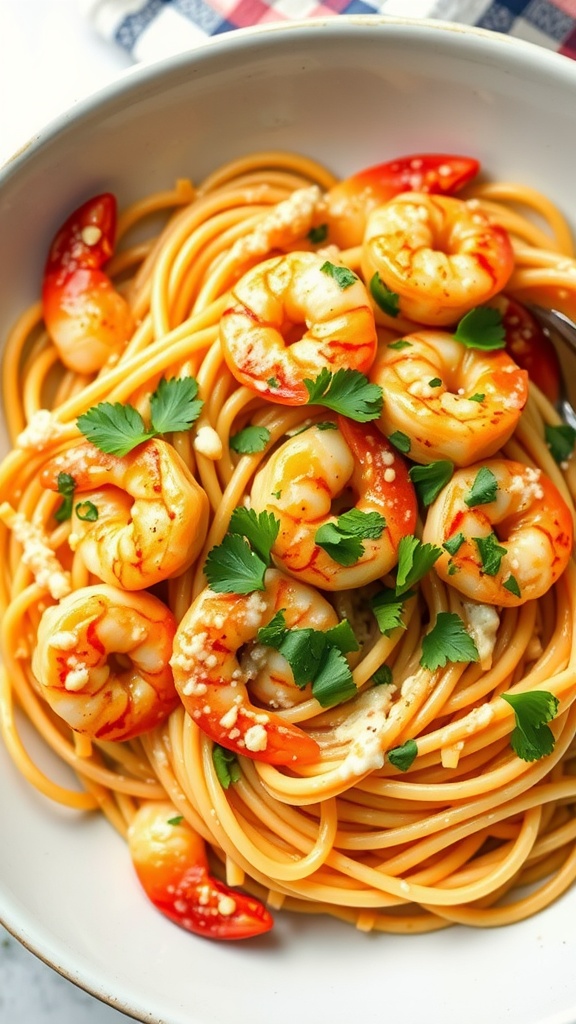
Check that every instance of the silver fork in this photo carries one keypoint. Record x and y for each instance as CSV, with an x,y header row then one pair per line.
x,y
561,331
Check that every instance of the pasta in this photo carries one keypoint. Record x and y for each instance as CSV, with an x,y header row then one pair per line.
x,y
418,796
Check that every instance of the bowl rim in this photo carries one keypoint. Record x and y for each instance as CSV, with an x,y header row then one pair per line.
x,y
521,53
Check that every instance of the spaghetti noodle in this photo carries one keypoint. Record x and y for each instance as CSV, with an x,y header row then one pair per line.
x,y
411,808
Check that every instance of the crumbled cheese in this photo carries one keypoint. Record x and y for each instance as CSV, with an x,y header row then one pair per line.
x,y
37,553
42,429
91,234
65,640
226,906
483,623
363,730
256,738
208,442
287,222
77,678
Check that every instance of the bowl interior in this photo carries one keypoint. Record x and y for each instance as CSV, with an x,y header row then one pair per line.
x,y
352,92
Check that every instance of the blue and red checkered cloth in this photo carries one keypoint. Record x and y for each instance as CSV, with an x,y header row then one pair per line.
x,y
154,28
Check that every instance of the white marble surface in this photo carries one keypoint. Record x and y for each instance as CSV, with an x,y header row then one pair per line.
x,y
49,59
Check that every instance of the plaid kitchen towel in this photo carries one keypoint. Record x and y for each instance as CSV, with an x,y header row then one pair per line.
x,y
155,28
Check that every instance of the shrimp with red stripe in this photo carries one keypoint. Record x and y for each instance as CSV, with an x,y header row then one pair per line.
x,y
86,317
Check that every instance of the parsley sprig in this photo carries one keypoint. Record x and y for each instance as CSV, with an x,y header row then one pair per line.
x,y
315,656
342,540
117,428
482,328
238,565
415,559
348,392
532,738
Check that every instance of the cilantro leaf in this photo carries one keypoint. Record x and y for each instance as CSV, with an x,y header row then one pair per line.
x,y
318,234
387,300
513,586
250,440
491,553
333,683
260,528
114,428
348,392
448,640
454,543
400,344
403,757
388,608
382,676
415,559
174,406
484,488
226,766
342,275
86,511
177,820
482,328
560,440
117,428
429,480
342,540
233,568
531,738
66,486
315,656
401,441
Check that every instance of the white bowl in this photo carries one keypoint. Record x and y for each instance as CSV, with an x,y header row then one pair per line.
x,y
352,91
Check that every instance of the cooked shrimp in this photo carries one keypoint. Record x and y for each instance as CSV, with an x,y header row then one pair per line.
x,y
212,681
450,401
348,204
505,530
150,516
86,317
102,662
312,474
439,255
172,867
290,317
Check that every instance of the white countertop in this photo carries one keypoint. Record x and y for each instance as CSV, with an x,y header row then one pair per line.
x,y
49,59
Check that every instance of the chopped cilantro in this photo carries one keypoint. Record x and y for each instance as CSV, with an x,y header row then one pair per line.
x,y
348,392
400,344
415,559
453,544
342,540
117,428
177,820
448,640
315,656
401,441
66,486
491,553
272,382
429,480
226,766
532,738
233,568
435,382
342,275
388,607
478,397
482,328
483,489
260,528
512,585
382,676
387,300
86,511
560,440
318,234
249,440
404,756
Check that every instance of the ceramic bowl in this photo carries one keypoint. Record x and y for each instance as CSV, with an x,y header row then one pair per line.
x,y
351,91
